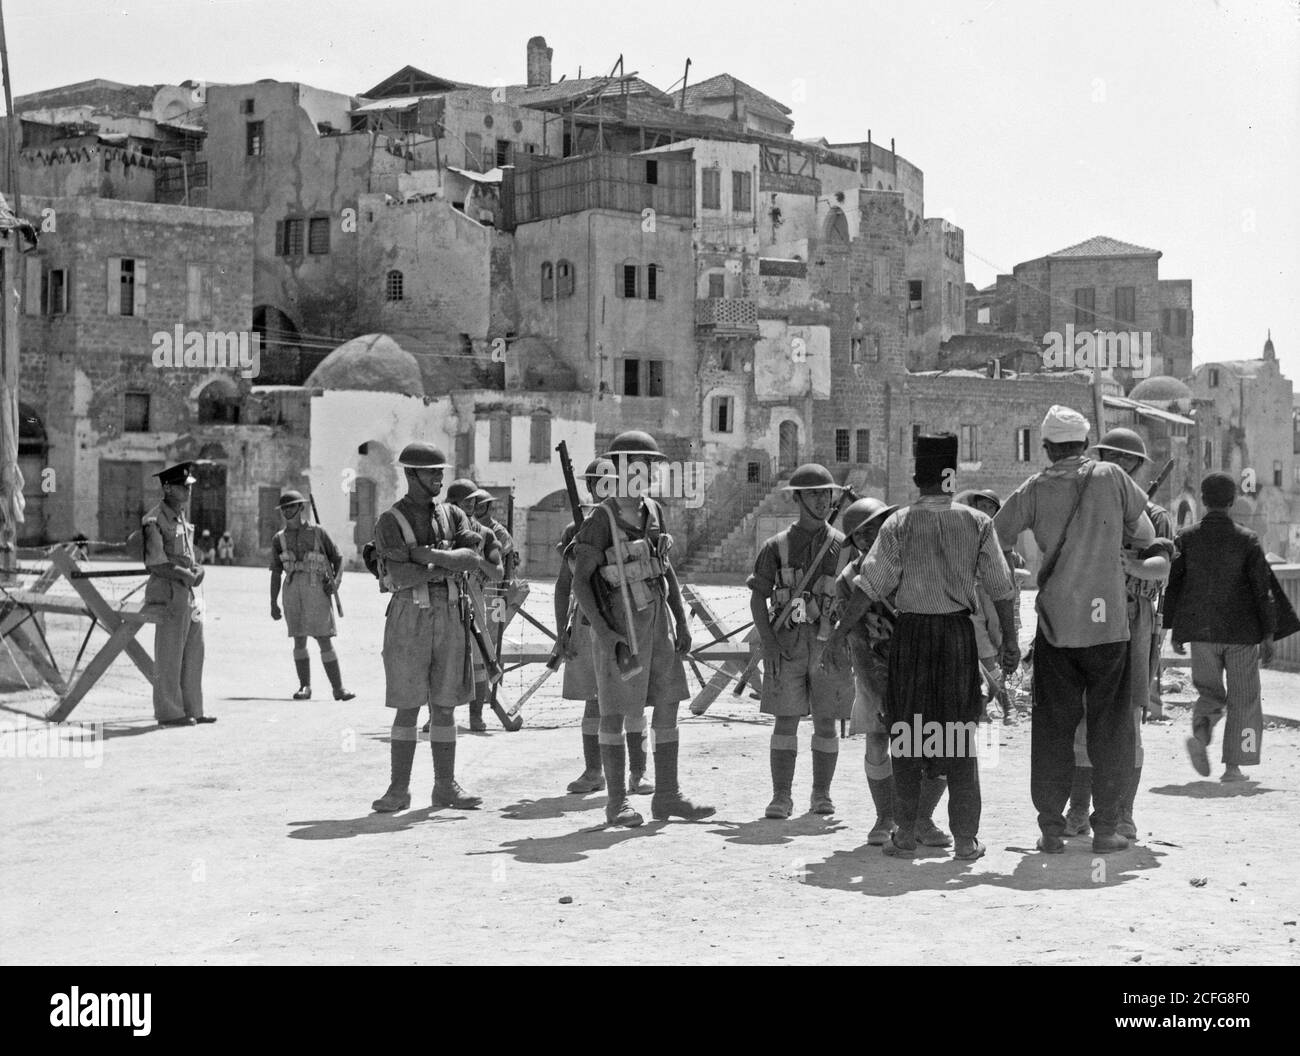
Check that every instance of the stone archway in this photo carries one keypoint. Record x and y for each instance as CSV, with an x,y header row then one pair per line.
x,y
787,447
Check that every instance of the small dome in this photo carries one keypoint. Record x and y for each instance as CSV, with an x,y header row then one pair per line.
x,y
372,363
1161,389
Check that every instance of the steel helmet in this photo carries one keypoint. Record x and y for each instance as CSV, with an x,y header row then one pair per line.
x,y
421,455
599,468
460,489
809,477
635,442
861,512
1125,441
482,495
968,497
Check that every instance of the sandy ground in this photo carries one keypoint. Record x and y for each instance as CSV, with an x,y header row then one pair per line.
x,y
251,840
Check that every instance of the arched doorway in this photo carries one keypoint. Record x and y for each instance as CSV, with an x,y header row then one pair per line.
x,y
836,230
547,520
375,487
280,348
33,453
208,499
787,447
1185,513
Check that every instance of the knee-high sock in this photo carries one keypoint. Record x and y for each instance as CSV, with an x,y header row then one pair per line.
x,y
825,754
302,664
784,755
402,748
442,740
666,746
591,737
613,760
634,731
330,660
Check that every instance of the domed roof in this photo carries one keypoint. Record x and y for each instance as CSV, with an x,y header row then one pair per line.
x,y
371,363
1160,389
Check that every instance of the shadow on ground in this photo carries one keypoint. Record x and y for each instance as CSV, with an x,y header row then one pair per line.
x,y
869,872
767,832
1213,789
368,825
573,846
554,806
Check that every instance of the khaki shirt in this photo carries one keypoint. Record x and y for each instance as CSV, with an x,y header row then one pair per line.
x,y
168,540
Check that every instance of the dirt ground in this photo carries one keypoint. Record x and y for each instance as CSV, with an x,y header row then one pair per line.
x,y
251,841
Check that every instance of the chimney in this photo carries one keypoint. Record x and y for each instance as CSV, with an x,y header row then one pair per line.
x,y
539,63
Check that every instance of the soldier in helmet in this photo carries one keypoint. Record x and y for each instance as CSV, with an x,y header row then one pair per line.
x,y
506,596
467,496
796,570
1146,570
579,667
620,566
174,572
307,556
422,546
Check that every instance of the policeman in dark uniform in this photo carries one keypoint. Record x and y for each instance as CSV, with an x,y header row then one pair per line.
x,y
174,572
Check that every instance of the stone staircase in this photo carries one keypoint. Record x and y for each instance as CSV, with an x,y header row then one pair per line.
x,y
735,551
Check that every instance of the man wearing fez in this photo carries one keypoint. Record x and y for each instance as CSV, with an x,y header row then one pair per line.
x,y
930,558
1082,513
174,572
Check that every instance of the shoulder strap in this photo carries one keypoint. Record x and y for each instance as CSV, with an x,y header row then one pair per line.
x,y
1046,568
281,542
783,547
408,534
444,521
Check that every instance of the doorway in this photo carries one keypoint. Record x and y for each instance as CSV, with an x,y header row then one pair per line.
x,y
788,447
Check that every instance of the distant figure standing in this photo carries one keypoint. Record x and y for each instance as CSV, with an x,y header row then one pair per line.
x,y
1219,599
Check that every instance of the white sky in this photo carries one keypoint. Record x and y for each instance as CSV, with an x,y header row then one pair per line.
x,y
1167,123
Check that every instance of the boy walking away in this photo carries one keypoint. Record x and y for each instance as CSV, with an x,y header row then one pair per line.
x,y
1219,599
794,574
307,556
930,557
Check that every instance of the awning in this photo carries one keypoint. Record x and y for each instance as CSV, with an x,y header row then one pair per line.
x,y
491,176
1146,410
400,103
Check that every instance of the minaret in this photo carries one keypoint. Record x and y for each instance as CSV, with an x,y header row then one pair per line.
x,y
1269,353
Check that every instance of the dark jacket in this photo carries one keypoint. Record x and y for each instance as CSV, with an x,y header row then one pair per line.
x,y
1219,588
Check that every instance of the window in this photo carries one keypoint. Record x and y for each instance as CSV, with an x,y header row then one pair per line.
x,y
499,438
982,316
288,237
628,284
56,292
548,281
505,153
1277,474
652,277
641,377
254,139
970,439
880,277
318,235
1022,444
711,188
127,283
247,106
564,279
198,292
727,361
1173,321
717,285
915,293
1213,373
539,438
393,286
873,347
1085,304
1125,304
855,350
651,171
841,445
754,473
721,420
135,412
741,192
862,440
473,151
466,349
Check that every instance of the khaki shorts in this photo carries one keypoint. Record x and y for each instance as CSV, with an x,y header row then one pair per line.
x,y
424,653
580,672
308,610
801,686
663,675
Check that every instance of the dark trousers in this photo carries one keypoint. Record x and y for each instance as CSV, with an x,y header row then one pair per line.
x,y
1066,681
964,803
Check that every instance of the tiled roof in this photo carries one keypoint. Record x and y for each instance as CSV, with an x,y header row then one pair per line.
x,y
724,85
1104,246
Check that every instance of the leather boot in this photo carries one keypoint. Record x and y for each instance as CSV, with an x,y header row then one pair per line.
x,y
336,679
783,764
1076,818
476,723
1126,826
668,801
446,792
927,833
882,795
823,772
618,811
303,666
591,779
398,796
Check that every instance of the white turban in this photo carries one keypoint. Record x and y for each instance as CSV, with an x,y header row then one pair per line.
x,y
1063,425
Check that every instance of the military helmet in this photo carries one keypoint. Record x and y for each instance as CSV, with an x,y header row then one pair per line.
x,y
482,495
862,511
1125,441
460,489
291,498
968,497
599,468
422,455
635,442
809,477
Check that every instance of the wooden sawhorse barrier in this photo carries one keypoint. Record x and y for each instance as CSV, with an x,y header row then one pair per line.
x,y
18,607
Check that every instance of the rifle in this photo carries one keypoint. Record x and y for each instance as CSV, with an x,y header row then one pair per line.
x,y
1154,486
311,494
486,651
849,495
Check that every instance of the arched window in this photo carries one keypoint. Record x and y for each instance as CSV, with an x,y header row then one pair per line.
x,y
564,279
836,230
394,286
548,280
219,403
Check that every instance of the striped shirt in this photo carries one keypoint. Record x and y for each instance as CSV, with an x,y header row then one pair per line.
x,y
932,553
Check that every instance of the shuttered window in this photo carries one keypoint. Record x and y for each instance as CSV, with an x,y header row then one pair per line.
x,y
127,285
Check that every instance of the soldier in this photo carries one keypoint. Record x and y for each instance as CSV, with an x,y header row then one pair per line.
x,y
174,572
579,669
621,551
466,495
422,546
795,570
506,597
308,556
1145,571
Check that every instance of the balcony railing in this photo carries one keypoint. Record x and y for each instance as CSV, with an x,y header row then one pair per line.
x,y
733,315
